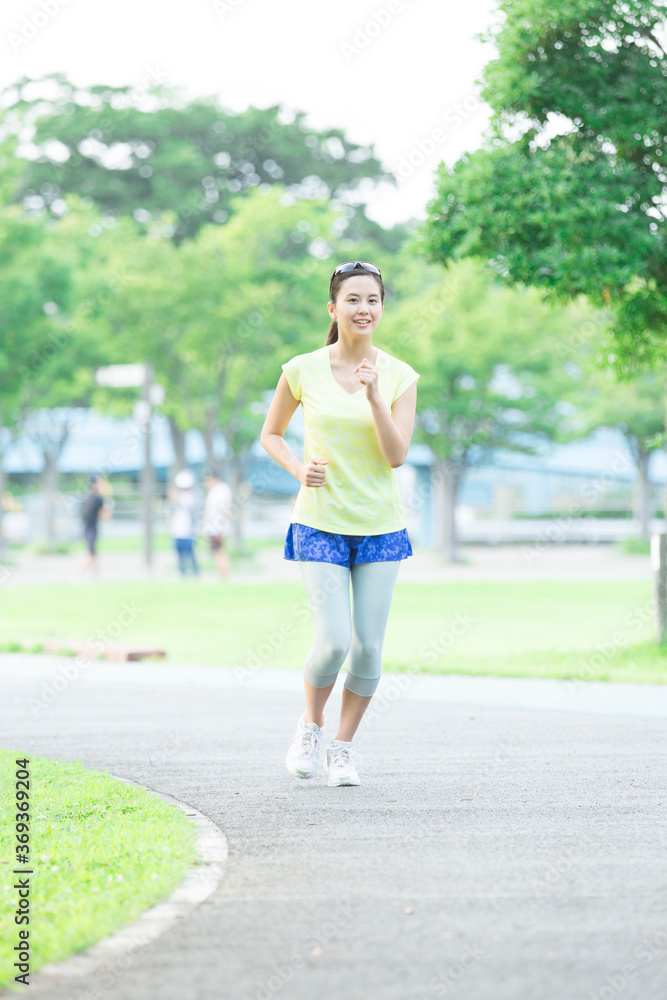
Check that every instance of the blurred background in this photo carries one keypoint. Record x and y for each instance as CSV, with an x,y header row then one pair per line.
x,y
176,188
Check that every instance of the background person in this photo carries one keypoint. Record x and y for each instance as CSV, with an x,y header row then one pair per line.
x,y
93,510
217,511
184,510
348,522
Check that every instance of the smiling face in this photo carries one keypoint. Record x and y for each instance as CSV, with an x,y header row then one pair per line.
x,y
358,306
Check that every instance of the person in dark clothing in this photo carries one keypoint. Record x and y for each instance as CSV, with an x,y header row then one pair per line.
x,y
93,510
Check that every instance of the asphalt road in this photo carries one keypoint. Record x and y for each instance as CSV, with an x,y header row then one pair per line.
x,y
490,853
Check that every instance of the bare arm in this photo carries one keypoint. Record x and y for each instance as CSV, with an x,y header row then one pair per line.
x,y
280,413
394,430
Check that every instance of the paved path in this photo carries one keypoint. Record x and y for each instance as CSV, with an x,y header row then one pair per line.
x,y
491,853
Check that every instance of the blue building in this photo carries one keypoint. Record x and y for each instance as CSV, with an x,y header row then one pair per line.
x,y
597,474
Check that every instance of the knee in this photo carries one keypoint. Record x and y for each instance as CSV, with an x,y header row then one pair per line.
x,y
324,662
329,652
337,651
369,650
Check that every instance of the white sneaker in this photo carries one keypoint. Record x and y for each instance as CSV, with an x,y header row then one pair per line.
x,y
303,755
340,762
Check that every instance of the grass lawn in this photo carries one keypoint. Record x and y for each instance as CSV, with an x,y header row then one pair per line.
x,y
588,631
102,852
163,542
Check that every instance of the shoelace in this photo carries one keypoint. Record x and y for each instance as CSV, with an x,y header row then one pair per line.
x,y
342,756
305,742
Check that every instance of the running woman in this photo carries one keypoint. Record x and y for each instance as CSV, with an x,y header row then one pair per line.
x,y
348,521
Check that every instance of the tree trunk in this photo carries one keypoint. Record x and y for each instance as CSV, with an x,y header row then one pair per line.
x,y
644,494
235,484
178,442
208,444
448,479
49,479
660,588
210,428
3,546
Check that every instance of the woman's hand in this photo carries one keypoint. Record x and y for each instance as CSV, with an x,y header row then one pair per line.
x,y
368,376
312,473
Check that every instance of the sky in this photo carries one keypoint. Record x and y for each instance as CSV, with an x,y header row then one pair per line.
x,y
399,75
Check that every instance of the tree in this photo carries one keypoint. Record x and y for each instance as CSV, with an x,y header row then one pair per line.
x,y
213,314
636,410
35,296
142,154
489,378
580,212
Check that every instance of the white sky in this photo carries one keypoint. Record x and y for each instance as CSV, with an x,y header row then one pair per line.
x,y
392,85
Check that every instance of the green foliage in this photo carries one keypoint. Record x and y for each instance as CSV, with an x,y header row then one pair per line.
x,y
545,217
216,314
582,212
636,409
47,350
635,546
490,374
148,154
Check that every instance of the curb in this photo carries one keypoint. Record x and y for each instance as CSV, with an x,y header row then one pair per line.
x,y
196,887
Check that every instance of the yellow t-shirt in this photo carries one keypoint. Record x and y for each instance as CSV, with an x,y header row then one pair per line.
x,y
361,495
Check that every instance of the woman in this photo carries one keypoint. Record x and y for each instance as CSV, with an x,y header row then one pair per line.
x,y
348,521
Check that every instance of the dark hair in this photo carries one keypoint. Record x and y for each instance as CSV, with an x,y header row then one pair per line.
x,y
334,289
211,473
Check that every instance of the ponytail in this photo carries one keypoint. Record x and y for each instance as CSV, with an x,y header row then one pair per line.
x,y
332,336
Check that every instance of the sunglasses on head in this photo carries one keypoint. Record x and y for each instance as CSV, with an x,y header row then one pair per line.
x,y
353,265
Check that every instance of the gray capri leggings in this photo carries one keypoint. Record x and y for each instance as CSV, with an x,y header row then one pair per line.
x,y
339,630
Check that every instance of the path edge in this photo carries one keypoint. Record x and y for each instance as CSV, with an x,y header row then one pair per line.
x,y
200,883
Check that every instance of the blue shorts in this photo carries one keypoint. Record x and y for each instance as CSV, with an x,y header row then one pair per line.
x,y
306,544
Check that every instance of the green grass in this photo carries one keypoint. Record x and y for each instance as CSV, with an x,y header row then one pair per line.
x,y
162,542
102,852
536,629
634,546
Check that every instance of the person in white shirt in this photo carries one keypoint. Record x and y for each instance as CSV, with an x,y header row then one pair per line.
x,y
184,509
217,512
